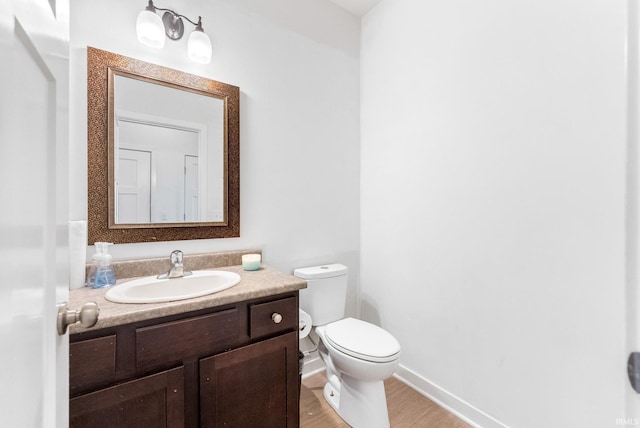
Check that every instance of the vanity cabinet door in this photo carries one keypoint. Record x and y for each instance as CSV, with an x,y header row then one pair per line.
x,y
252,386
151,401
92,364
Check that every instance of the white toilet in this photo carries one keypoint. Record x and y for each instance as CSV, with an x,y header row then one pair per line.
x,y
358,355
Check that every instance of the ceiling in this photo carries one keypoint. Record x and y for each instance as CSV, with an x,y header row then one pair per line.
x,y
356,7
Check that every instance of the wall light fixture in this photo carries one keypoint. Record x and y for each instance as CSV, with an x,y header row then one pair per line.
x,y
151,31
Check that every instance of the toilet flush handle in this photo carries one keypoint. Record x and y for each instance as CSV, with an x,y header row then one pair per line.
x,y
276,318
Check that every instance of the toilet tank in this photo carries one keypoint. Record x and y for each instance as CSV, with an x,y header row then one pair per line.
x,y
325,297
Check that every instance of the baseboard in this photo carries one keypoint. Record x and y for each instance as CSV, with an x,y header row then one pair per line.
x,y
445,399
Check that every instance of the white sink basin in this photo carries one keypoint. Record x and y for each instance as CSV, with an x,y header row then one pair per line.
x,y
150,289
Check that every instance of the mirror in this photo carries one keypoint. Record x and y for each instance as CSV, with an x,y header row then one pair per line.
x,y
168,147
163,158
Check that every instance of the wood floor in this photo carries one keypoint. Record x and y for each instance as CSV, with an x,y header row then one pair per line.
x,y
407,408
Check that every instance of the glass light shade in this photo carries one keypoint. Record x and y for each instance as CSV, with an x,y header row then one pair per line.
x,y
150,29
199,47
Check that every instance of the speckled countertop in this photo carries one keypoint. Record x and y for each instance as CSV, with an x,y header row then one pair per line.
x,y
253,284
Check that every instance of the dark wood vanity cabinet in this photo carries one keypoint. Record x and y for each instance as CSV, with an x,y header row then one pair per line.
x,y
231,366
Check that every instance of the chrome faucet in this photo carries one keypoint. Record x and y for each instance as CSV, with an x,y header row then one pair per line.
x,y
177,268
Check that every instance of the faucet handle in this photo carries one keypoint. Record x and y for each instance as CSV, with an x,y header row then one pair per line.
x,y
176,257
177,268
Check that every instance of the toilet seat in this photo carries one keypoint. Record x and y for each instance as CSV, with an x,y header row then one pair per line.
x,y
362,340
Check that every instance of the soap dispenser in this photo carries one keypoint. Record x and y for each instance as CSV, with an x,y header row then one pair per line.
x,y
101,273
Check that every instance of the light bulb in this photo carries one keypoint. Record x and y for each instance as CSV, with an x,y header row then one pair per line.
x,y
150,29
199,47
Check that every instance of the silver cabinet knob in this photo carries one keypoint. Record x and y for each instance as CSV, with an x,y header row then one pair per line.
x,y
87,316
276,318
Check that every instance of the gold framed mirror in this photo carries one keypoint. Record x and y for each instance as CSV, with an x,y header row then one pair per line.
x,y
163,153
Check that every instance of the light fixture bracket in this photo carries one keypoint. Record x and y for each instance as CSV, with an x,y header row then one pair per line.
x,y
173,25
172,20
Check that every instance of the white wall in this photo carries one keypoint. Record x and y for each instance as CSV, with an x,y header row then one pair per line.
x,y
492,188
299,123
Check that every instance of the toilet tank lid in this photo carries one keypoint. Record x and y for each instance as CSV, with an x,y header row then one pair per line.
x,y
319,272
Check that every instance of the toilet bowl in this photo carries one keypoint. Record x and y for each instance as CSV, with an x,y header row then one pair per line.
x,y
358,355
360,349
356,369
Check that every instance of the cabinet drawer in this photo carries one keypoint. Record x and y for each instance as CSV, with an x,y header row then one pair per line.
x,y
165,344
263,317
92,363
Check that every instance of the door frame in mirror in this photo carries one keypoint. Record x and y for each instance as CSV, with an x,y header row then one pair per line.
x,y
100,174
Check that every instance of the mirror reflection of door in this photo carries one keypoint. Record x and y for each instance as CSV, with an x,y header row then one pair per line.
x,y
133,202
155,182
191,207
